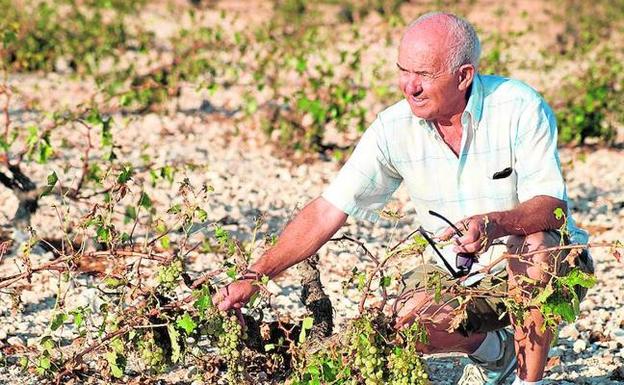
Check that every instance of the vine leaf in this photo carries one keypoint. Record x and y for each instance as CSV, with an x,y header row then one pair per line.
x,y
52,179
186,323
306,324
576,277
176,351
111,358
543,295
58,320
204,301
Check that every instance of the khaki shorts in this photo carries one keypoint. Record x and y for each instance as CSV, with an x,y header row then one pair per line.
x,y
485,314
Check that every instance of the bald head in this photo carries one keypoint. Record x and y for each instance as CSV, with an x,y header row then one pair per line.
x,y
452,39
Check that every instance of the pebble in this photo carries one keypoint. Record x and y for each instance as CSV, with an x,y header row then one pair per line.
x,y
569,331
617,333
583,323
15,341
579,346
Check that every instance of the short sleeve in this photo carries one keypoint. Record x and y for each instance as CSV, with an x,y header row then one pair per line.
x,y
367,180
537,159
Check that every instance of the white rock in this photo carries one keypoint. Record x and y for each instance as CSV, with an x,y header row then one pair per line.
x,y
617,333
555,352
579,346
604,315
15,341
569,331
584,323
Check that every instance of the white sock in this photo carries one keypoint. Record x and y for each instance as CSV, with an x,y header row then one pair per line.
x,y
490,349
518,381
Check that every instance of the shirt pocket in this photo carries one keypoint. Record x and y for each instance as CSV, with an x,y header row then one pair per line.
x,y
501,179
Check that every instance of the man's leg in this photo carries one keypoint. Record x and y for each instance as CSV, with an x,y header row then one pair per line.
x,y
532,341
475,334
436,318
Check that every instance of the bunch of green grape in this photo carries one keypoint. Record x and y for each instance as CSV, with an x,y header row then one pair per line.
x,y
152,355
406,368
367,350
230,347
212,323
168,276
404,362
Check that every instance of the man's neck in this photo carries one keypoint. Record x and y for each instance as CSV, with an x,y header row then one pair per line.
x,y
452,122
450,130
450,126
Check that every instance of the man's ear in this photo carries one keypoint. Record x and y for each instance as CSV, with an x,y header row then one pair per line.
x,y
466,76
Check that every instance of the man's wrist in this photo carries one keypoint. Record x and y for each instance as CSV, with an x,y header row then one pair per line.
x,y
259,270
494,225
251,275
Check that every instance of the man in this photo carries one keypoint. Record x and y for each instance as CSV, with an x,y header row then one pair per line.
x,y
479,149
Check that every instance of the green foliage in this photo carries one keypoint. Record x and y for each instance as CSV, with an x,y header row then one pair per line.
x,y
169,275
558,301
370,353
311,85
36,35
589,102
591,105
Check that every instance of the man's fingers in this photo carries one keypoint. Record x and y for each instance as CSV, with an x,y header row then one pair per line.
x,y
472,247
221,294
226,304
447,234
239,316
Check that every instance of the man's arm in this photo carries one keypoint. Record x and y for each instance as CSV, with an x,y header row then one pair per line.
x,y
307,232
532,216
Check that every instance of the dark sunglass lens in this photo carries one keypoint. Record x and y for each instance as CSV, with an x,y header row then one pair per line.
x,y
464,261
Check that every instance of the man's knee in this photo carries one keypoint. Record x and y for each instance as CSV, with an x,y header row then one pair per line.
x,y
420,305
533,242
537,266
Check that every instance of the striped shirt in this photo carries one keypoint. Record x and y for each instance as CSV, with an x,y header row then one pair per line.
x,y
506,124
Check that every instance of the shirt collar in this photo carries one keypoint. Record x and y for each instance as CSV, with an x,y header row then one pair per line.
x,y
474,107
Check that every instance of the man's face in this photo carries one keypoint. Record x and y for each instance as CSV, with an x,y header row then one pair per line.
x,y
430,87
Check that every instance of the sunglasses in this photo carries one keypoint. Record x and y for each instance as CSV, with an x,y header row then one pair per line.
x,y
463,261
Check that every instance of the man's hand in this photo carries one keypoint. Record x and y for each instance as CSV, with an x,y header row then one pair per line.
x,y
305,234
235,295
478,235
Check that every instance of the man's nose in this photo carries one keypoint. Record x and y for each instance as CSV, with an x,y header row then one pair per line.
x,y
414,84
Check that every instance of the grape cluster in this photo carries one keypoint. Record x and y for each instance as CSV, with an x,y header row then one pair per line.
x,y
230,347
152,355
371,353
212,323
406,368
368,356
405,364
168,275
